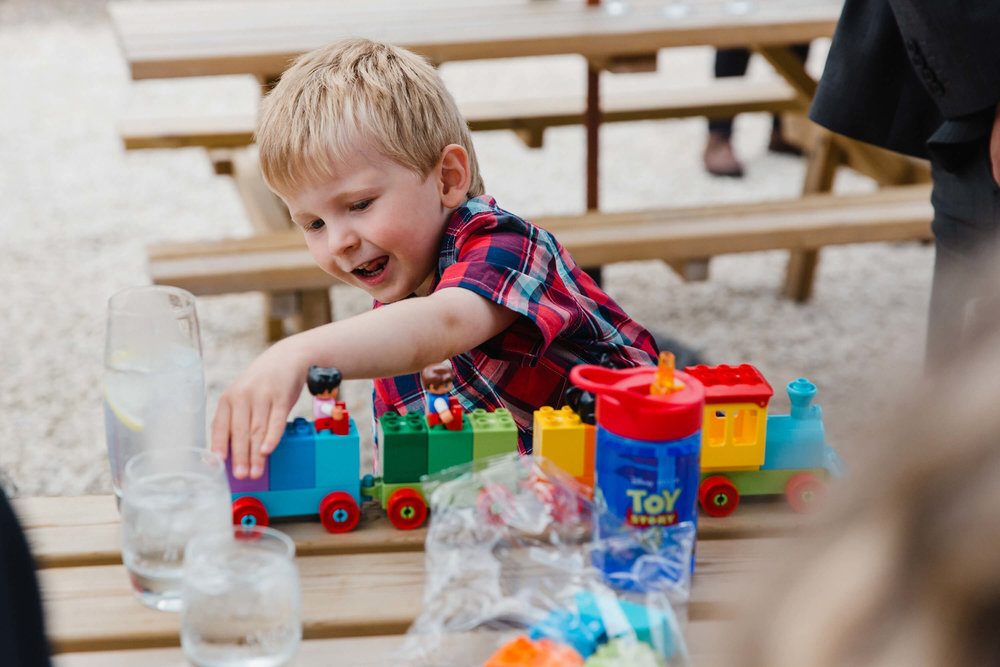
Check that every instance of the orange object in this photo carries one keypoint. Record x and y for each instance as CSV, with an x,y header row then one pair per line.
x,y
525,652
663,383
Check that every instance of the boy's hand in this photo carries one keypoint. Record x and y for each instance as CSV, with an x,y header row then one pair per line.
x,y
250,418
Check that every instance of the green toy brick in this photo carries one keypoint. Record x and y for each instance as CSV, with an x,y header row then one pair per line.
x,y
762,482
403,446
492,433
448,448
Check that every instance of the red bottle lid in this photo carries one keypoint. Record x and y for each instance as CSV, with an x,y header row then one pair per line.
x,y
626,407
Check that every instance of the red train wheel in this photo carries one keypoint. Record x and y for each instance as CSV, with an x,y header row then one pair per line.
x,y
560,501
338,512
806,492
407,509
718,496
249,511
495,504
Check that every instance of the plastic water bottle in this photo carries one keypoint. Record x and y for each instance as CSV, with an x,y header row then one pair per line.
x,y
647,470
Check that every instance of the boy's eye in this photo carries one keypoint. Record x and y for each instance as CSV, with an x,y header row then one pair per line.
x,y
315,225
361,205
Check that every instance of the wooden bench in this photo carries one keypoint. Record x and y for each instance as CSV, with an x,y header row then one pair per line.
x,y
226,139
279,261
528,117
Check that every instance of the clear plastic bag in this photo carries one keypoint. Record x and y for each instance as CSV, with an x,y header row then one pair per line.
x,y
509,554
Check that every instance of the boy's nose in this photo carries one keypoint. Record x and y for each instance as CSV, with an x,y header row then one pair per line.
x,y
342,239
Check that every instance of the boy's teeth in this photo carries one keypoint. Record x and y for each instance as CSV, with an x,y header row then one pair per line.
x,y
370,268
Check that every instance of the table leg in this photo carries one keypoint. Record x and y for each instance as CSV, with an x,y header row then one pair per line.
x,y
592,123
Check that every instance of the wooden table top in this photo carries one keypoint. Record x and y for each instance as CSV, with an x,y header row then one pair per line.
x,y
210,37
360,590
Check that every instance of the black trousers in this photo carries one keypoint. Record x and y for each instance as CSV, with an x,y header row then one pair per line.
x,y
966,222
22,632
733,62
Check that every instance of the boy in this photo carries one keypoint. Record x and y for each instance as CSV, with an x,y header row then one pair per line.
x,y
366,147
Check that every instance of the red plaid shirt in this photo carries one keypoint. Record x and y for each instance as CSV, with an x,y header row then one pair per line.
x,y
566,319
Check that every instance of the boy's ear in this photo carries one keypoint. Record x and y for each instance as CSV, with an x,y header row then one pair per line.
x,y
455,175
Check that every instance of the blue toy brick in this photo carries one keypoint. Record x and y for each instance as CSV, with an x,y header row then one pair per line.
x,y
492,433
567,627
246,484
649,625
403,447
796,440
448,448
338,461
293,462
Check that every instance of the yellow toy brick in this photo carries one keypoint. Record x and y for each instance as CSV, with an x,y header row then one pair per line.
x,y
561,437
733,436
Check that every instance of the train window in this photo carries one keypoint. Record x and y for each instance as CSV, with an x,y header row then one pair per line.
x,y
745,426
715,429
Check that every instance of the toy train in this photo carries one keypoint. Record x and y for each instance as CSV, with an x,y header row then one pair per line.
x,y
317,471
745,452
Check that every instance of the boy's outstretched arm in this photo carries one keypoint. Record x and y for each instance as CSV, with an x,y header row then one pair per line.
x,y
396,339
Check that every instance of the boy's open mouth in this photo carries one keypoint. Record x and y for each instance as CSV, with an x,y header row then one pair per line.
x,y
372,268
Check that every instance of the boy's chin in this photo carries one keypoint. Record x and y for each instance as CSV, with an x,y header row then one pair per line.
x,y
384,295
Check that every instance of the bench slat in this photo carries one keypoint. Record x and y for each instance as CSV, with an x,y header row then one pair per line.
x,y
721,99
71,532
703,639
342,596
281,261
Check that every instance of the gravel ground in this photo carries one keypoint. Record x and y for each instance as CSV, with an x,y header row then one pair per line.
x,y
77,212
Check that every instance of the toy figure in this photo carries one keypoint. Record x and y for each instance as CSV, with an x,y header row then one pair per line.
x,y
329,413
583,402
438,380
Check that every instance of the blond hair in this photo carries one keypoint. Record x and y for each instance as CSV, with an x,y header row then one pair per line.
x,y
357,94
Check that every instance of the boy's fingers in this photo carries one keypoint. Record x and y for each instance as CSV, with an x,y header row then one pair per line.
x,y
220,429
258,428
275,430
240,440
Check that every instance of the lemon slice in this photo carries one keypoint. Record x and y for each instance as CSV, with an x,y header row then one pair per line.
x,y
117,393
131,421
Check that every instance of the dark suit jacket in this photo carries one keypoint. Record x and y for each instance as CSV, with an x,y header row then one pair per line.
x,y
22,628
914,76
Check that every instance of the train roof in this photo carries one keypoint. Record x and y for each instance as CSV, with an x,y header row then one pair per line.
x,y
729,384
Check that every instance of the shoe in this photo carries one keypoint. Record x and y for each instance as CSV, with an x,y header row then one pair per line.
x,y
779,145
720,160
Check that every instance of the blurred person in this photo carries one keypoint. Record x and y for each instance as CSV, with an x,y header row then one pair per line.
x,y
921,78
22,627
719,157
907,571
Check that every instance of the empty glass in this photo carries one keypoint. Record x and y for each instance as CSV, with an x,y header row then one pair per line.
x,y
242,603
154,385
169,496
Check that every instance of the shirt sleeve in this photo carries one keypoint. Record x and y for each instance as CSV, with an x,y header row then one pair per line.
x,y
520,267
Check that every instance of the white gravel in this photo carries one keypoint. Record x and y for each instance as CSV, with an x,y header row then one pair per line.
x,y
77,213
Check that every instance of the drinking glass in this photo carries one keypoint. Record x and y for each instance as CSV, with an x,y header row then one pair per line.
x,y
242,603
168,497
154,384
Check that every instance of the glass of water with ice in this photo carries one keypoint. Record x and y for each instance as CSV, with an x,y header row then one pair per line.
x,y
242,602
169,496
154,384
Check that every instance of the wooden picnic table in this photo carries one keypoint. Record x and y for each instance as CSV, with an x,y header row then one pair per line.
x,y
214,37
183,38
360,590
